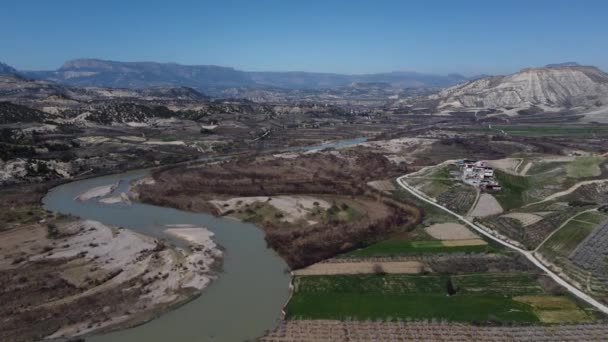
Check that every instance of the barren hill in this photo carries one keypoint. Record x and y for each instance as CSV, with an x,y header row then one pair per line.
x,y
561,86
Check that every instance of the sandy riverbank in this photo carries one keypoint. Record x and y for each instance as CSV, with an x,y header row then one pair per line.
x,y
97,192
105,277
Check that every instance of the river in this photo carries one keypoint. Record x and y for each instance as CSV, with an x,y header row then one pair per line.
x,y
244,301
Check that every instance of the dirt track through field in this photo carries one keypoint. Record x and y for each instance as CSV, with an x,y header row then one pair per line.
x,y
568,191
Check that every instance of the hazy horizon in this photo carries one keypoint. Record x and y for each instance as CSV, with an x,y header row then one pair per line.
x,y
303,71
344,37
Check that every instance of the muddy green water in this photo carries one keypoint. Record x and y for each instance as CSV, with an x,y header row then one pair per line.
x,y
245,300
240,305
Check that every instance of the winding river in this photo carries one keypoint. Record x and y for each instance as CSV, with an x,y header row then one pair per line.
x,y
244,301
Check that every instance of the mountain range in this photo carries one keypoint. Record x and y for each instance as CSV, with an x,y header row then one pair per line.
x,y
553,88
102,73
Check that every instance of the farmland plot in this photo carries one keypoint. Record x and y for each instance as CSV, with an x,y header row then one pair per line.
x,y
592,253
486,206
568,237
478,297
525,219
590,193
450,231
332,330
507,226
404,247
535,233
459,198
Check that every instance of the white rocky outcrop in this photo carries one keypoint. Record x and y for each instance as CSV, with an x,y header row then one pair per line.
x,y
557,87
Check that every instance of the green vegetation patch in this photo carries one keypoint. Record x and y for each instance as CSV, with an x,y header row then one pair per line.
x,y
439,182
572,234
10,217
260,212
479,297
341,212
539,167
555,309
401,247
513,190
585,167
592,216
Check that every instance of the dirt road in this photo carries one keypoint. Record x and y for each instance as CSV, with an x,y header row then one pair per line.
x,y
575,291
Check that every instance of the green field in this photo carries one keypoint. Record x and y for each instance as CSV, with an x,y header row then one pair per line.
x,y
402,247
569,236
479,297
513,190
441,181
585,167
538,168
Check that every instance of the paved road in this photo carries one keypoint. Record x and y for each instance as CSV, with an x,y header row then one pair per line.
x,y
580,294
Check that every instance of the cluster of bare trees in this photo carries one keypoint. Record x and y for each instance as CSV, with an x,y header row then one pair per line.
x,y
317,174
304,246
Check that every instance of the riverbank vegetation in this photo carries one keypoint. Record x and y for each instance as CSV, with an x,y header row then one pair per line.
x,y
357,215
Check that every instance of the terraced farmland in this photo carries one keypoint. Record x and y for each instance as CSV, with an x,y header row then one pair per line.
x,y
531,235
507,226
459,198
564,242
590,193
592,253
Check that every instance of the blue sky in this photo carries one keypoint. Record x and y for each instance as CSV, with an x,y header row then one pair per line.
x,y
469,37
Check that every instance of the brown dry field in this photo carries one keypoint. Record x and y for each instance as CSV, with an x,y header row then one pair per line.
x,y
450,231
363,267
487,205
467,242
382,185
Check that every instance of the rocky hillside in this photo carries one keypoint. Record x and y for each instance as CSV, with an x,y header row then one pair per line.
x,y
101,73
12,113
560,86
15,88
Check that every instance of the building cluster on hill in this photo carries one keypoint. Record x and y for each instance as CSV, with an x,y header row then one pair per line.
x,y
478,174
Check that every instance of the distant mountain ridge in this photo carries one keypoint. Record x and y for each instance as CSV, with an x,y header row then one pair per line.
x,y
7,69
103,73
100,73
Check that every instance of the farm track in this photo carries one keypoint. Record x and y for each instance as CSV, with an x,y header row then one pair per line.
x,y
568,191
529,255
572,218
